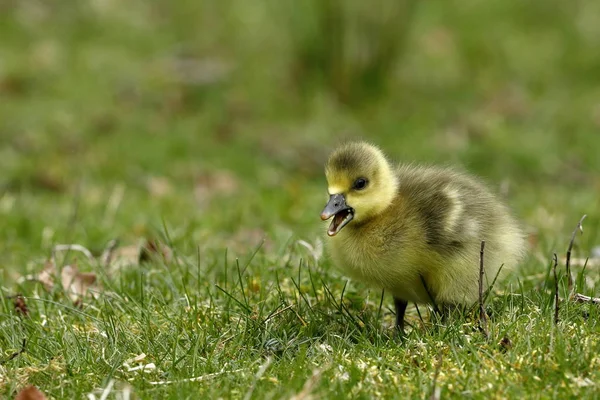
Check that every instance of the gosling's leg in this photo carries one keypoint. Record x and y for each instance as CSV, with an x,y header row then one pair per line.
x,y
400,311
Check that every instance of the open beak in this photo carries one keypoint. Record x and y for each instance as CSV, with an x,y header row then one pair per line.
x,y
338,209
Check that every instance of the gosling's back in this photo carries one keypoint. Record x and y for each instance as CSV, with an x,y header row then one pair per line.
x,y
456,213
431,233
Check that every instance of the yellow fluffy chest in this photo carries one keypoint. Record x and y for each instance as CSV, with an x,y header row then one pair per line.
x,y
377,262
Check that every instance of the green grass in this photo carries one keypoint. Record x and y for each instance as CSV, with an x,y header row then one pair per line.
x,y
189,122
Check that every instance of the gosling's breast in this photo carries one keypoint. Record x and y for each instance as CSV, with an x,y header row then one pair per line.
x,y
379,263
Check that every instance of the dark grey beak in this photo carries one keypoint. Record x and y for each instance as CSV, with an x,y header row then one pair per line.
x,y
336,203
337,207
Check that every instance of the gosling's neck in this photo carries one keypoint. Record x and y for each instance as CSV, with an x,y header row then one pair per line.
x,y
388,191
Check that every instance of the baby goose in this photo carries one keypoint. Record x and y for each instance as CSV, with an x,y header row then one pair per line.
x,y
415,231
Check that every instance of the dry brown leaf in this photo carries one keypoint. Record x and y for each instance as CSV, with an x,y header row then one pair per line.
x,y
125,256
505,344
20,306
133,255
30,393
108,251
48,274
78,284
154,248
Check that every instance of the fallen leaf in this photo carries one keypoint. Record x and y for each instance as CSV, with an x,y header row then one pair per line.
x,y
47,276
20,306
78,284
108,251
133,255
125,256
505,343
30,393
153,248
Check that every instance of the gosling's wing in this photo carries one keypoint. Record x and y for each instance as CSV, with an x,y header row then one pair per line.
x,y
452,207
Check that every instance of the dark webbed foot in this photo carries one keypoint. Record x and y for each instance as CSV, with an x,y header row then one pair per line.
x,y
400,311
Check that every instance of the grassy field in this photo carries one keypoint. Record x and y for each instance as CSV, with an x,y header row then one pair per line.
x,y
203,126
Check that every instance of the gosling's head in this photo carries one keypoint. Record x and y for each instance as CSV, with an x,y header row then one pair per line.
x,y
361,184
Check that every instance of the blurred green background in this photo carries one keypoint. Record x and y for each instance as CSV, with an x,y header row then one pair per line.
x,y
207,123
215,117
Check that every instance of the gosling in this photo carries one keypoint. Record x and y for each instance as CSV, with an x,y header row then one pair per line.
x,y
415,231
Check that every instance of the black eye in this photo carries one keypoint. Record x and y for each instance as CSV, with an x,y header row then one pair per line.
x,y
360,184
